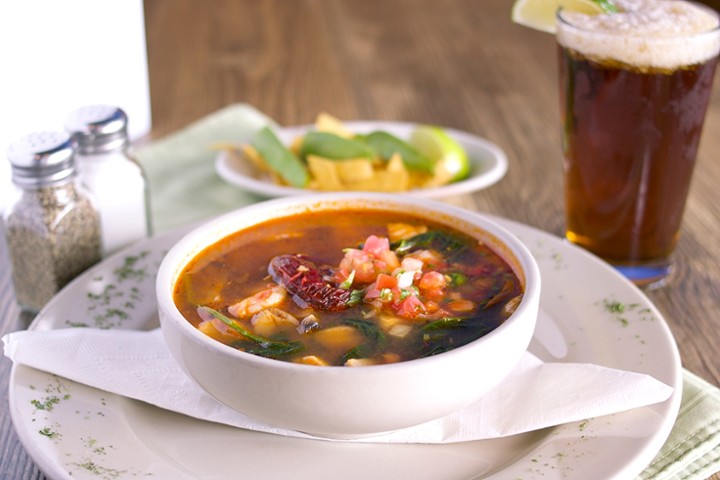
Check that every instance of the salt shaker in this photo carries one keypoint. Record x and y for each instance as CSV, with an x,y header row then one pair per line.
x,y
51,224
112,175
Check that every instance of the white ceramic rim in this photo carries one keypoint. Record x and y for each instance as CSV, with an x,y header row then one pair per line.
x,y
187,248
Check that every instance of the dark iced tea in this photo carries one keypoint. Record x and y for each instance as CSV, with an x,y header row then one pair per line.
x,y
630,139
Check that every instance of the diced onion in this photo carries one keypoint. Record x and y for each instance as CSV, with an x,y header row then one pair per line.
x,y
360,362
405,279
399,330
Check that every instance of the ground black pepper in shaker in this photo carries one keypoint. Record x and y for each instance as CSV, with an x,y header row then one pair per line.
x,y
51,224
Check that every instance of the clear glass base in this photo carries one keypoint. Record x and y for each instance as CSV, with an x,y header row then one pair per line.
x,y
647,277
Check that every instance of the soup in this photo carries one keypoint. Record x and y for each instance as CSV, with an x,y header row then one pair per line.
x,y
354,288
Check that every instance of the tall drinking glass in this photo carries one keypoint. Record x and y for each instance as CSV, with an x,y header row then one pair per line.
x,y
634,88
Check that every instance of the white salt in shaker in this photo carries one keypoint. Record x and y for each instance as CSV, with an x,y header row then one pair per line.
x,y
51,226
112,175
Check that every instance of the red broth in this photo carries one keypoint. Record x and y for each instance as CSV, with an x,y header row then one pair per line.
x,y
352,288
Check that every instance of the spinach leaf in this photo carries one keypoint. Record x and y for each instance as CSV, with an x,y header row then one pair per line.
x,y
446,322
442,241
437,337
434,350
361,351
275,349
369,329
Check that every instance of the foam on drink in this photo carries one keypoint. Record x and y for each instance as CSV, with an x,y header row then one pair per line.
x,y
654,34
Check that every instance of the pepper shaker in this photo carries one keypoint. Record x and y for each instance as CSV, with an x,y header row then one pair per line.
x,y
113,176
51,224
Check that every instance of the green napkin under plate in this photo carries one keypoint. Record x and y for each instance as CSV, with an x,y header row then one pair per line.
x,y
185,189
692,451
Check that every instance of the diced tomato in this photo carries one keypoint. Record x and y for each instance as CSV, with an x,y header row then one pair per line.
x,y
410,307
379,248
432,285
374,258
376,246
385,281
431,306
390,259
382,291
365,272
359,261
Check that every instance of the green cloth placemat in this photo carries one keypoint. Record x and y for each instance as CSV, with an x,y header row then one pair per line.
x,y
185,188
693,449
180,168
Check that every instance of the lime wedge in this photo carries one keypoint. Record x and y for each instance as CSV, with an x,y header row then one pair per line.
x,y
540,14
449,156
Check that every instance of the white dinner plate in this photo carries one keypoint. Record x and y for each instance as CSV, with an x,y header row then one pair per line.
x,y
590,314
488,163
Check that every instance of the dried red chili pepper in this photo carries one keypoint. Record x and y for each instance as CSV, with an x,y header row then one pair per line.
x,y
305,281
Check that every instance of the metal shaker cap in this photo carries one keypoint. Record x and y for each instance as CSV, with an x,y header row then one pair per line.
x,y
42,159
98,128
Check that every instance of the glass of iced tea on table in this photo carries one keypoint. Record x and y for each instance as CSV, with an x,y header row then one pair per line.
x,y
634,89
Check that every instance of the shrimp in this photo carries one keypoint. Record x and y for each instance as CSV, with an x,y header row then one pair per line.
x,y
271,296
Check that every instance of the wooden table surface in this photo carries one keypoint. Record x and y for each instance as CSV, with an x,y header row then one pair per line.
x,y
458,63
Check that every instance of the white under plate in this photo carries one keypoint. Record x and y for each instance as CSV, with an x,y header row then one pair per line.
x,y
488,163
76,432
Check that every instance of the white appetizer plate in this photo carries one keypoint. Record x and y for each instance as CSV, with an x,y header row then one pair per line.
x,y
76,432
488,163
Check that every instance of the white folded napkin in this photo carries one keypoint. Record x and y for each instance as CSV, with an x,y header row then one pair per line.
x,y
138,365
